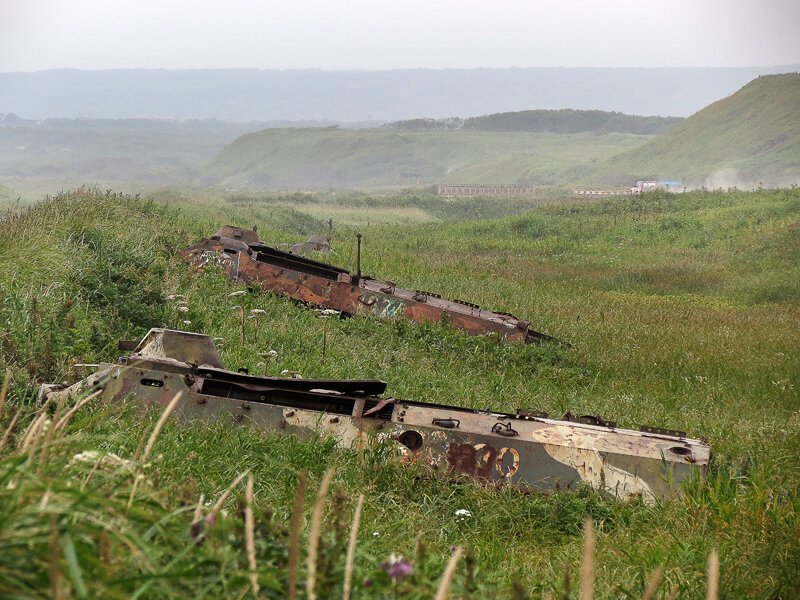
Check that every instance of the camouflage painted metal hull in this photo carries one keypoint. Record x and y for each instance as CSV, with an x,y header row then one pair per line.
x,y
244,258
527,450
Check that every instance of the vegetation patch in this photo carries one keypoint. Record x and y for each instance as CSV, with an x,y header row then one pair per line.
x,y
701,337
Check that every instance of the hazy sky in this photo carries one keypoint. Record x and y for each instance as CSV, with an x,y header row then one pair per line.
x,y
382,34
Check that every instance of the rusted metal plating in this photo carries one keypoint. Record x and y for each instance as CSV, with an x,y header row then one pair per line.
x,y
244,258
524,449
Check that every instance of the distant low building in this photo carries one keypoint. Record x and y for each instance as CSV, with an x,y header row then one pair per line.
x,y
644,185
601,192
466,191
647,185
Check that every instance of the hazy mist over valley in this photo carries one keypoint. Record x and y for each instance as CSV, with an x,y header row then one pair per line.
x,y
545,147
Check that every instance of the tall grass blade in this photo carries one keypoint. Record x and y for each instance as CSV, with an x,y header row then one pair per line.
x,y
4,390
250,539
587,564
351,548
32,432
655,581
713,576
64,421
48,437
157,429
444,587
73,566
9,429
313,536
54,567
212,516
45,499
294,535
198,510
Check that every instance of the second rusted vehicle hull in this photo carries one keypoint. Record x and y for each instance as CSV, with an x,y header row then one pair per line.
x,y
245,258
527,450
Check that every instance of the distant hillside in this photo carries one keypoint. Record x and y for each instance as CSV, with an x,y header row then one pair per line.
x,y
349,158
749,137
570,121
262,95
71,152
546,121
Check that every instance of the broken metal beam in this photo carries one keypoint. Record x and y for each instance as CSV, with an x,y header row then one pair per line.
x,y
525,449
243,257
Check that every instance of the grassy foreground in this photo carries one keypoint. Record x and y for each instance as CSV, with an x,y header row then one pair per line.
x,y
682,312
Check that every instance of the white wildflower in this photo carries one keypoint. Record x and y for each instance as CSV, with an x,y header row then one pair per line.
x,y
237,294
257,311
101,459
462,514
183,309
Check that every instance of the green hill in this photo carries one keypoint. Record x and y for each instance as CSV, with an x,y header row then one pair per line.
x,y
570,121
364,158
547,121
749,137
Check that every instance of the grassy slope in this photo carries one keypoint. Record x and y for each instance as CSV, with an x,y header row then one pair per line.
x,y
547,121
570,121
320,158
750,136
682,312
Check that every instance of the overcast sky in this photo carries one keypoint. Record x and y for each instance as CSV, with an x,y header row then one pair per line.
x,y
384,34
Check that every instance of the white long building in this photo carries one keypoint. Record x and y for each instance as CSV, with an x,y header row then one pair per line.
x,y
462,191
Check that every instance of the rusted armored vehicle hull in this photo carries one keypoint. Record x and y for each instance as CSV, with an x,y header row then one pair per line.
x,y
244,258
528,450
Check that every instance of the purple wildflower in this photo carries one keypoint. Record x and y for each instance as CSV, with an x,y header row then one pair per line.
x,y
397,567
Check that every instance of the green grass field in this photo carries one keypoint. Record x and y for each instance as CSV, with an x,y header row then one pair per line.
x,y
682,312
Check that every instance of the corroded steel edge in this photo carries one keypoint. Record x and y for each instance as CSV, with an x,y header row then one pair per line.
x,y
244,258
536,453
